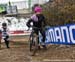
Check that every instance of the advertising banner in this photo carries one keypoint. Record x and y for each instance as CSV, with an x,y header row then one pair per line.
x,y
61,34
11,10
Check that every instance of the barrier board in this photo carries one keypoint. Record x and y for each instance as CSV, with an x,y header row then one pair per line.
x,y
61,34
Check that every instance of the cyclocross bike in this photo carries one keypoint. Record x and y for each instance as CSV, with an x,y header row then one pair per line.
x,y
33,41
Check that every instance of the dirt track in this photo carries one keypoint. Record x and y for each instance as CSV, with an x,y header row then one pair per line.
x,y
19,52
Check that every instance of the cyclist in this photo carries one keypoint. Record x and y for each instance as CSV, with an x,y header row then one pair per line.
x,y
5,34
38,20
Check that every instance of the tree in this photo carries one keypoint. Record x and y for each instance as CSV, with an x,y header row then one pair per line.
x,y
59,13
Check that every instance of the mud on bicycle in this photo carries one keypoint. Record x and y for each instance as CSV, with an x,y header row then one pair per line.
x,y
34,41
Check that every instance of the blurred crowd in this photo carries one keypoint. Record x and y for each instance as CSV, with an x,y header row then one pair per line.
x,y
15,24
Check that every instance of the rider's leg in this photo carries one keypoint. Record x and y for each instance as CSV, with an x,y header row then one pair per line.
x,y
36,31
43,35
38,44
7,37
6,42
43,40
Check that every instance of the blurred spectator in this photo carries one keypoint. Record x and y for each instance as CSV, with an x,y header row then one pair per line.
x,y
5,34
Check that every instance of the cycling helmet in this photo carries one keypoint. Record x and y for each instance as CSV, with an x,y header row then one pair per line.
x,y
4,24
38,9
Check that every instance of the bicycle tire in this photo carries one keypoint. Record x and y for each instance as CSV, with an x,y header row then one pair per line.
x,y
30,44
33,45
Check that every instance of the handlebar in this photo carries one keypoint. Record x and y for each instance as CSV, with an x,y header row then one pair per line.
x,y
33,28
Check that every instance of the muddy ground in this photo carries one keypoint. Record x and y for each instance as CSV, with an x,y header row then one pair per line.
x,y
19,52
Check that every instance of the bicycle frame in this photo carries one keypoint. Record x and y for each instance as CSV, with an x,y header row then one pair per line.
x,y
34,41
33,38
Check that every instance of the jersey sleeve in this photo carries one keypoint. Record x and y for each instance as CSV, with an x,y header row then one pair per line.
x,y
28,23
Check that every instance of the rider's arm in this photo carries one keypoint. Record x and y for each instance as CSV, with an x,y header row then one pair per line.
x,y
28,23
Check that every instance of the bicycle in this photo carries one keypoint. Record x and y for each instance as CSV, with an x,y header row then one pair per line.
x,y
33,41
